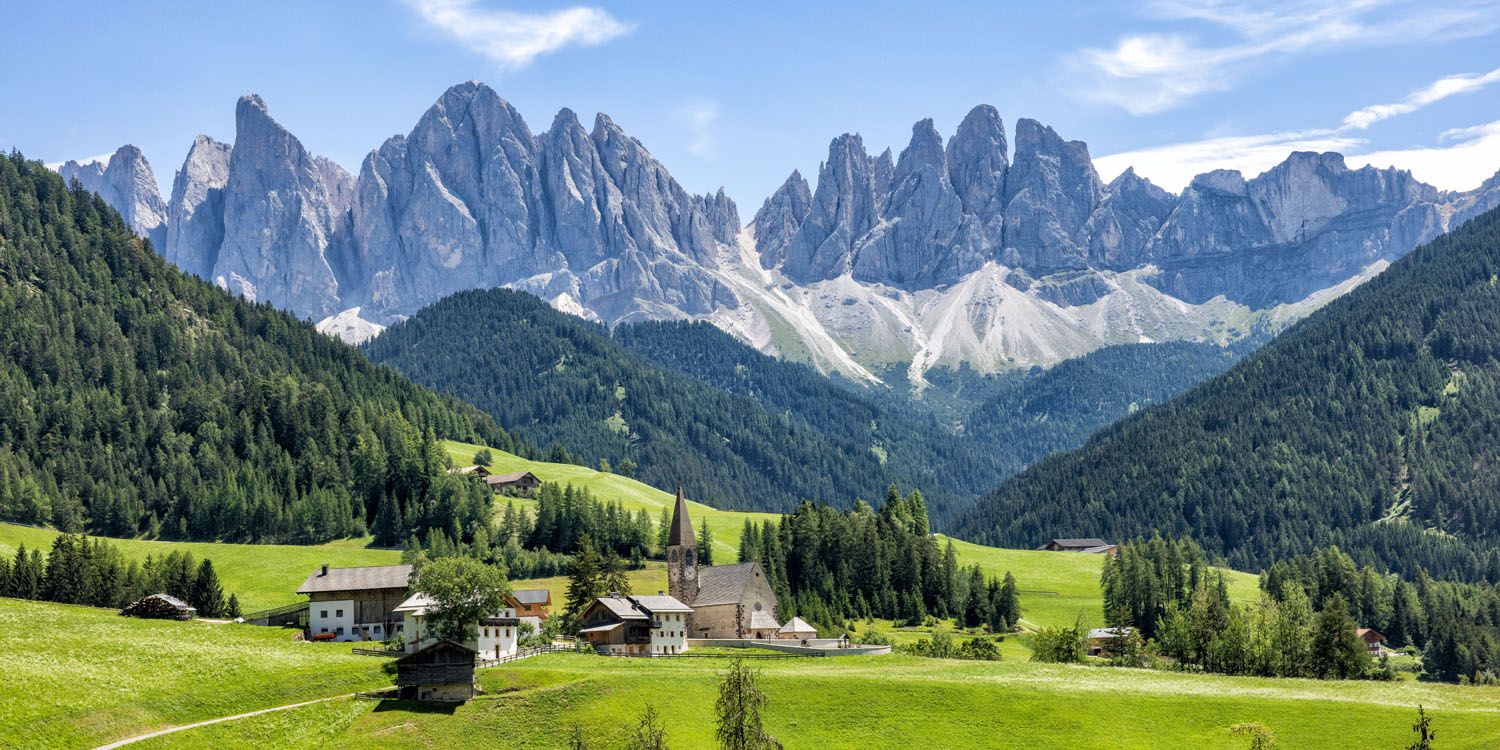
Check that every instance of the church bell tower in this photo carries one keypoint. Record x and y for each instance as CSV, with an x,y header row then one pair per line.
x,y
682,555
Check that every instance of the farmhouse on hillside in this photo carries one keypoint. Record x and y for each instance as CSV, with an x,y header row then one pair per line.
x,y
1374,641
1106,641
531,605
636,625
1093,546
727,601
356,604
519,484
443,671
473,471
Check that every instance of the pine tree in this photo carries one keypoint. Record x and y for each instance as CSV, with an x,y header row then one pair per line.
x,y
1337,651
1423,730
584,582
232,610
749,542
705,544
206,595
739,706
648,733
614,579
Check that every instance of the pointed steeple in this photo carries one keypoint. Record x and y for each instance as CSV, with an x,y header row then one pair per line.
x,y
681,532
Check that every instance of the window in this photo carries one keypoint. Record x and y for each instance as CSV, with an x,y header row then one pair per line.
x,y
323,613
340,631
377,628
338,613
323,630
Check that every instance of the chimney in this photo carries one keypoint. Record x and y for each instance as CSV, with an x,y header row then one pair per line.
x,y
324,571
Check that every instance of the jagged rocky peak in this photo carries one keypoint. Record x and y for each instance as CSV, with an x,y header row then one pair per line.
x,y
977,164
127,184
779,218
1051,190
1132,211
844,207
722,215
281,207
195,225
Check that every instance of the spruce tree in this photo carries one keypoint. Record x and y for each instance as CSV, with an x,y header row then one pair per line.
x,y
206,595
739,706
705,544
232,610
584,581
1337,651
648,732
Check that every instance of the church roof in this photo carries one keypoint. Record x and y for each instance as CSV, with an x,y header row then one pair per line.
x,y
725,584
681,532
763,621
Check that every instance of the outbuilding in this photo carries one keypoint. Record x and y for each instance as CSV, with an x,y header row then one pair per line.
x,y
797,629
520,483
443,671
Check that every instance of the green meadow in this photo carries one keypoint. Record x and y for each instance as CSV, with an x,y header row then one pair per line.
x,y
892,702
80,677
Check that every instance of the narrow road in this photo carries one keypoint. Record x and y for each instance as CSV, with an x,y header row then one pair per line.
x,y
195,725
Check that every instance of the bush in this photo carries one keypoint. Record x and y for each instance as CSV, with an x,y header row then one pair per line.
x,y
979,649
873,638
1060,645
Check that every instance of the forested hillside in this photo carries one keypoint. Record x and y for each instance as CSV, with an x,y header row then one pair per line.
x,y
137,399
557,380
1374,424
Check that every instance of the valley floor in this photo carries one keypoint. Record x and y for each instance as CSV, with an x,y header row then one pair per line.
x,y
886,702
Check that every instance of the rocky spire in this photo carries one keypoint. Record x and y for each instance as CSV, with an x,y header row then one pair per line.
x,y
1051,189
195,226
128,185
779,218
844,208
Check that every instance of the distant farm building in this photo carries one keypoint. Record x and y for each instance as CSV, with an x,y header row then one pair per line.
x,y
355,604
473,471
531,605
1106,641
520,483
636,625
160,607
1093,546
443,671
1374,641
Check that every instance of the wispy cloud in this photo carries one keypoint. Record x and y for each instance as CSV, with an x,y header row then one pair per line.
x,y
1463,158
1149,73
698,117
1439,90
101,158
515,39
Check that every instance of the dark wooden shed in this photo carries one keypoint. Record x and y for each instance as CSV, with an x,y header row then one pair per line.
x,y
443,671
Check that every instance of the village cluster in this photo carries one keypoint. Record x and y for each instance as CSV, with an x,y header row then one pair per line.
x,y
721,605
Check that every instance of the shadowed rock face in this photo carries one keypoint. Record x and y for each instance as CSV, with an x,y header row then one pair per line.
x,y
128,185
588,219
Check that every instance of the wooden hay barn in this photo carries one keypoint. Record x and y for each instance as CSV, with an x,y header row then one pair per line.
x,y
443,671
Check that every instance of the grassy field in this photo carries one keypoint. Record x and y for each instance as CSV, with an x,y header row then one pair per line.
x,y
894,702
262,575
1055,587
79,677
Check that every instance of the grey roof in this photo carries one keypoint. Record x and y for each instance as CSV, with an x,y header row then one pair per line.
x,y
514,476
1110,632
725,584
357,579
763,621
172,600
654,604
532,596
620,607
797,625
1079,542
681,531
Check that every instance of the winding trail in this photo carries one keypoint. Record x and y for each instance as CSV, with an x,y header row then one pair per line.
x,y
195,725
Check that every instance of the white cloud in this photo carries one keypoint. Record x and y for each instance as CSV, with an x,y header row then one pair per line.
x,y
698,117
1149,73
515,39
1464,158
1439,90
101,158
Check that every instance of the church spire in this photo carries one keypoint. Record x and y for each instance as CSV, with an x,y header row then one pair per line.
x,y
681,532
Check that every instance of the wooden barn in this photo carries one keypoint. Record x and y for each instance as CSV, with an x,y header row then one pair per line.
x,y
160,607
472,471
1090,545
519,484
443,671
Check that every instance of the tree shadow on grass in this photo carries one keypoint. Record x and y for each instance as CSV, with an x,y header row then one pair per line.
x,y
416,707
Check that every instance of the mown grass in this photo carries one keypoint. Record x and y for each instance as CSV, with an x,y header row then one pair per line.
x,y
308,726
80,677
261,575
902,702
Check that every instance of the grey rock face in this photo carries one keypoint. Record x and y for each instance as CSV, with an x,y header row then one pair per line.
x,y
281,207
129,186
779,218
195,214
1051,190
471,198
844,208
1125,221
977,165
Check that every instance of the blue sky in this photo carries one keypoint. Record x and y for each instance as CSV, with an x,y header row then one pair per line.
x,y
739,94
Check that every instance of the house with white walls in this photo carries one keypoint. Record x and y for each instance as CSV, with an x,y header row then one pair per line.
x,y
493,637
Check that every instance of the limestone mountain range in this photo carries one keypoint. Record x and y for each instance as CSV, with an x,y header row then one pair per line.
x,y
966,250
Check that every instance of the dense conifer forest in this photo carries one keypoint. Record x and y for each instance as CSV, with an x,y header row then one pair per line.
x,y
1372,425
136,399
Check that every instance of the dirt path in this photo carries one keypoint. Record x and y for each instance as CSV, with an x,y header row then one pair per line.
x,y
170,730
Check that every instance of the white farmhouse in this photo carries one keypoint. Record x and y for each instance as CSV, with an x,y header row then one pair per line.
x,y
493,637
637,625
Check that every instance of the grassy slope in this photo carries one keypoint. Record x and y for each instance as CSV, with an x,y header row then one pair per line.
x,y
901,702
261,575
78,676
1056,587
